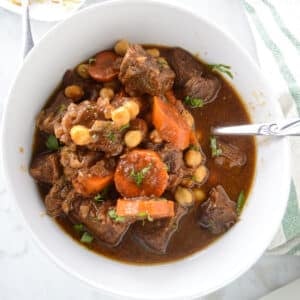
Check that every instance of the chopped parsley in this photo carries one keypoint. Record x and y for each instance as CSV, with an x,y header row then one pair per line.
x,y
193,102
52,142
240,202
111,136
86,238
124,127
194,147
102,195
92,60
139,176
215,151
113,215
222,69
61,108
145,216
78,227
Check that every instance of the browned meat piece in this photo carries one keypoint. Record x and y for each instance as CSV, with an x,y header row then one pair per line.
x,y
84,113
231,156
184,65
45,167
139,124
205,88
172,157
75,158
90,87
142,74
157,234
107,138
52,115
56,196
96,219
218,213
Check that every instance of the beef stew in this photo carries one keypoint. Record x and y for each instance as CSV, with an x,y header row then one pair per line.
x,y
125,161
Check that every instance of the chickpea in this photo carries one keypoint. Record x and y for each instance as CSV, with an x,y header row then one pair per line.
x,y
80,135
155,137
153,52
193,158
200,174
199,195
120,116
133,108
184,196
75,92
121,47
106,93
82,71
133,138
162,62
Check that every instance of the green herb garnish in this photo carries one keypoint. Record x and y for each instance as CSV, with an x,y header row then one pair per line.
x,y
145,215
111,136
78,227
215,151
193,102
240,202
61,108
86,238
113,215
52,142
102,195
221,68
140,175
194,147
124,127
92,60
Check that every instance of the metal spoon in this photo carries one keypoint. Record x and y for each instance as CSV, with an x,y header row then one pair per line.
x,y
26,29
283,128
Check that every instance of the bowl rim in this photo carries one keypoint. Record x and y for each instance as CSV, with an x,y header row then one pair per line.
x,y
5,167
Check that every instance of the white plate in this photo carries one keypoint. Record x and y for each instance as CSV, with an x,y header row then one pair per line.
x,y
44,11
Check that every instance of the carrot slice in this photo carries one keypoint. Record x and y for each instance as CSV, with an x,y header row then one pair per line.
x,y
104,68
91,185
141,173
171,126
155,209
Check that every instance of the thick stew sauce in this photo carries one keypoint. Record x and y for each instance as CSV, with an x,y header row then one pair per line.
x,y
125,160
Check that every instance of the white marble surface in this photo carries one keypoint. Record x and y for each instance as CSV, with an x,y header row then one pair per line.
x,y
25,272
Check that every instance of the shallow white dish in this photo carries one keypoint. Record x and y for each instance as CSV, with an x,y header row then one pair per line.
x,y
44,11
69,43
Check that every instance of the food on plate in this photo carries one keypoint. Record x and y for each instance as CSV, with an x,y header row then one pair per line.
x,y
125,160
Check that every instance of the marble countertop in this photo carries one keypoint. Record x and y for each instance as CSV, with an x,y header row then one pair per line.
x,y
27,273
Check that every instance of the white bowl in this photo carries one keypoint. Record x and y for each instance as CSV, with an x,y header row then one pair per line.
x,y
78,38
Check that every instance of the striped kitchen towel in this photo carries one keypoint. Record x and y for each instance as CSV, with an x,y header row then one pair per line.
x,y
276,28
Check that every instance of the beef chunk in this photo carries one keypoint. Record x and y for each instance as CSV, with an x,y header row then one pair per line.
x,y
56,196
206,88
231,156
157,234
84,113
53,114
96,219
218,213
75,158
172,157
45,167
184,65
107,138
142,74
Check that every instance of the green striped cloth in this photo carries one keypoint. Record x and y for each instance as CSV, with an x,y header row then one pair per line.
x,y
276,28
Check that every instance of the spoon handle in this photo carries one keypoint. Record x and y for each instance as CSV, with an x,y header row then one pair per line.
x,y
283,128
26,34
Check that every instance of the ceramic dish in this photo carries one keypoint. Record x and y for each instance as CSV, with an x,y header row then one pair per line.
x,y
148,22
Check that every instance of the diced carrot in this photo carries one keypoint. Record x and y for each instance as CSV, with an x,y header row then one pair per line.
x,y
91,185
171,126
141,173
104,67
155,209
